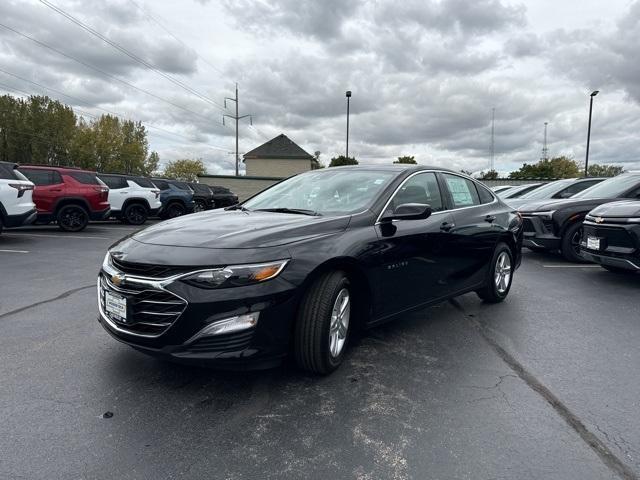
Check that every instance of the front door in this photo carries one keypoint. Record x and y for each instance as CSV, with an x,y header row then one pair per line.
x,y
412,253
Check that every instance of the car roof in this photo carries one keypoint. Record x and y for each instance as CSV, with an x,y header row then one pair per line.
x,y
57,168
396,167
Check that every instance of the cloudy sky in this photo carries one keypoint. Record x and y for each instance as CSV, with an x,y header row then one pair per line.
x,y
425,74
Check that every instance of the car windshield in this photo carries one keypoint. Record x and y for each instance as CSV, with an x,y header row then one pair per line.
x,y
513,191
548,190
611,188
325,192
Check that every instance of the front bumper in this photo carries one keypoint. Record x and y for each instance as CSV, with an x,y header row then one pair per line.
x,y
261,346
25,218
538,234
619,245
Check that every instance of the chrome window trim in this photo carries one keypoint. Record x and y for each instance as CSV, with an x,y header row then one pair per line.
x,y
495,198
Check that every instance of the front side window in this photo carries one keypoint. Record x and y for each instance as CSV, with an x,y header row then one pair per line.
x,y
421,188
463,192
610,188
114,182
325,192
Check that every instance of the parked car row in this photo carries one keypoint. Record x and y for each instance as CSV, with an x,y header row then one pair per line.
x,y
73,197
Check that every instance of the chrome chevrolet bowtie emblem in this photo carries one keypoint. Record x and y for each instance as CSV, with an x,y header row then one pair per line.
x,y
599,219
117,279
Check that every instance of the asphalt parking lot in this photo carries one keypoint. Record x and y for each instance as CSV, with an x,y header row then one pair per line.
x,y
545,385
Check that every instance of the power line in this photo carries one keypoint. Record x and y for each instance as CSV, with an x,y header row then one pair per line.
x,y
130,54
113,77
148,14
99,108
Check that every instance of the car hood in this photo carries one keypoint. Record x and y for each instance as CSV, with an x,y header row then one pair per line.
x,y
236,229
546,205
626,209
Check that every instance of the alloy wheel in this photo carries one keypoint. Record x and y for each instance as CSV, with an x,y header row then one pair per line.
x,y
575,241
72,218
136,214
502,275
339,324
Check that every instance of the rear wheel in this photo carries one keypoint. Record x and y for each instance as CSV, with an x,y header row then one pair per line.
x,y
135,214
175,210
323,324
500,275
0,225
570,244
72,218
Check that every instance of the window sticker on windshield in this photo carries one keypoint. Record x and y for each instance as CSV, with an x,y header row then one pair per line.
x,y
460,191
378,181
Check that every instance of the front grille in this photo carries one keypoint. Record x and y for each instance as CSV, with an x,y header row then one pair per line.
x,y
148,270
615,237
150,311
528,225
222,343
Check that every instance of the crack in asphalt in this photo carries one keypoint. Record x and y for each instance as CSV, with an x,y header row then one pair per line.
x,y
605,454
43,302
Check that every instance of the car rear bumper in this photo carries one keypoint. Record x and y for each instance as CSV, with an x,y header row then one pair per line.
x,y
25,218
100,215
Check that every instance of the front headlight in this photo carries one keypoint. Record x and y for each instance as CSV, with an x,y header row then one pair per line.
x,y
236,275
544,215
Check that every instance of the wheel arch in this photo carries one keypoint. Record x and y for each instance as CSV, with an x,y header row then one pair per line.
x,y
63,202
137,201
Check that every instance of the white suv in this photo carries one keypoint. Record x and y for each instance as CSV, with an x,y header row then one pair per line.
x,y
16,197
132,198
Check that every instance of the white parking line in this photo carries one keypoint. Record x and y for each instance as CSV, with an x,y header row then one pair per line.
x,y
62,235
14,251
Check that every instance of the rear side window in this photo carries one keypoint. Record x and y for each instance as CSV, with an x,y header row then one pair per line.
x,y
484,194
42,177
84,177
143,182
7,172
463,192
181,185
113,181
161,184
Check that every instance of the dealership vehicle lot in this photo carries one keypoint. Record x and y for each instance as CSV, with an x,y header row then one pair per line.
x,y
541,386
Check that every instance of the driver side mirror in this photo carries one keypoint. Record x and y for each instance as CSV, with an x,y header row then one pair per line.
x,y
409,211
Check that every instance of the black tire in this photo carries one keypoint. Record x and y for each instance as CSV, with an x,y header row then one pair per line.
x,y
618,270
175,209
72,218
199,206
1,225
135,214
313,346
570,243
495,291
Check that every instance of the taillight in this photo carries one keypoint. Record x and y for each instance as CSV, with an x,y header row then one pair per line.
x,y
21,187
103,191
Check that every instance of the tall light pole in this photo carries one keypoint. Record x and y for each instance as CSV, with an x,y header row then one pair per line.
x,y
348,95
586,158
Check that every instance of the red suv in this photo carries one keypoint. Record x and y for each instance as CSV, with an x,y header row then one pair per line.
x,y
70,196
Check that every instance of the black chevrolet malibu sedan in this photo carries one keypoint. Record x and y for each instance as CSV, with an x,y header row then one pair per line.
x,y
297,268
611,236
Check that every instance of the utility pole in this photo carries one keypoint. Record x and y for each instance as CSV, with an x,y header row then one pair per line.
x,y
493,145
545,150
586,158
237,118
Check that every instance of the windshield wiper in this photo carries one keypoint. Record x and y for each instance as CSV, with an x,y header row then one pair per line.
x,y
299,211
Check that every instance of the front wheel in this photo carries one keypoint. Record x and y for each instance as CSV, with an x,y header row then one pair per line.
x,y
500,275
570,245
199,206
135,214
72,218
323,324
175,210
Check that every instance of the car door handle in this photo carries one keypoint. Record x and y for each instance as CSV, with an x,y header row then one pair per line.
x,y
446,226
490,218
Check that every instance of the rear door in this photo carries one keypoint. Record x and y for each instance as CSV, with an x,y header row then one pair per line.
x,y
479,220
49,188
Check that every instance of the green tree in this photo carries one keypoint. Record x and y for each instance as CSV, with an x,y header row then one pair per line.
x,y
409,160
151,164
185,169
558,167
466,172
341,160
596,170
489,175
315,161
